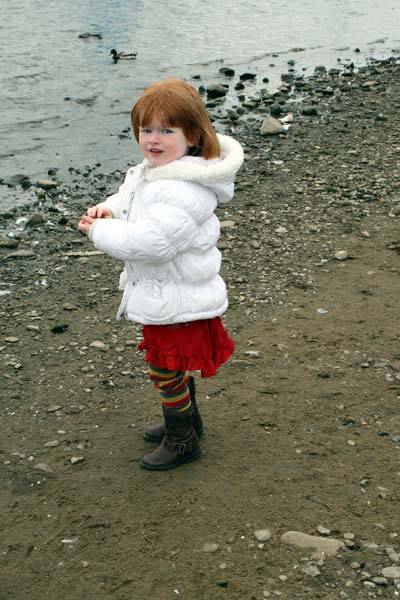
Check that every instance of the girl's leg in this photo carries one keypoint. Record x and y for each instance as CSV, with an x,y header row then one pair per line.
x,y
156,431
172,387
180,443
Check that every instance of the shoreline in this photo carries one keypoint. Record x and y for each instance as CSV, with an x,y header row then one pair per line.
x,y
229,113
302,424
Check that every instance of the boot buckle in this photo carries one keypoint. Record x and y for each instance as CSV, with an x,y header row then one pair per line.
x,y
179,447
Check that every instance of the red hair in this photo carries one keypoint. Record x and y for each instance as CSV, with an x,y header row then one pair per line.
x,y
176,104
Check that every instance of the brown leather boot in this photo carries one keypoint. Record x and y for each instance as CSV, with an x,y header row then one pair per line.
x,y
179,445
156,432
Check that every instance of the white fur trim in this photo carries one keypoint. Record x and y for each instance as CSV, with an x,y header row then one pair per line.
x,y
203,171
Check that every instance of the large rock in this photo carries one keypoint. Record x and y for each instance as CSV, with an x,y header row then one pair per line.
x,y
18,179
271,126
247,76
309,111
227,71
327,546
215,90
6,242
391,572
46,184
35,220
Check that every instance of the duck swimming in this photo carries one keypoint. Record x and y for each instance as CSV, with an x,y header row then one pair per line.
x,y
85,36
122,55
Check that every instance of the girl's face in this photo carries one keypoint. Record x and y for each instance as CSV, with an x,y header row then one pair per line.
x,y
160,144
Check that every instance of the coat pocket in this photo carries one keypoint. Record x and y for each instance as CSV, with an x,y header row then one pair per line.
x,y
154,301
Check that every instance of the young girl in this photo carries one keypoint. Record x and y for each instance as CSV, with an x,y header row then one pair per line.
x,y
162,224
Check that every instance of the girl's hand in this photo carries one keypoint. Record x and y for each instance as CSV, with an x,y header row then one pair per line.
x,y
99,212
85,224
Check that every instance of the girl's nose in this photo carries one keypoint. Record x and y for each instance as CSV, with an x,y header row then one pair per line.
x,y
154,136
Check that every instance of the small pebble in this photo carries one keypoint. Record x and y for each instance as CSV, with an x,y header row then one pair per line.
x,y
262,535
369,584
380,580
44,467
54,408
341,255
210,547
323,530
391,572
98,344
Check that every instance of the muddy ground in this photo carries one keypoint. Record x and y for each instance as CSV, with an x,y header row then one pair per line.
x,y
303,425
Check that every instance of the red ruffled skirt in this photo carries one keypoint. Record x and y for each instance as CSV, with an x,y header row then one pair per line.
x,y
195,346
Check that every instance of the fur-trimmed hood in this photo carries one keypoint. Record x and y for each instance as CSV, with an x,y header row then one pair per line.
x,y
217,174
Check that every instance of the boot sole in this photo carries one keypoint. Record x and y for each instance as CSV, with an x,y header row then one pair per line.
x,y
185,459
150,438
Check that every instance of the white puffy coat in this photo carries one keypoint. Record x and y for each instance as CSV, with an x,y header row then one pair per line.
x,y
165,229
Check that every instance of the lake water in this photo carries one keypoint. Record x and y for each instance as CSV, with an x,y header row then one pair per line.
x,y
64,102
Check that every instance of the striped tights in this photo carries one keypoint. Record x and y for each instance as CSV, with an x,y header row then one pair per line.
x,y
172,387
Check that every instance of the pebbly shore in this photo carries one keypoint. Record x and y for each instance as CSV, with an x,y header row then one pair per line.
x,y
303,433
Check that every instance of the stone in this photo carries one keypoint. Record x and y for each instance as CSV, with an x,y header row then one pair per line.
x,y
341,255
311,570
59,328
227,224
271,126
46,184
323,530
394,556
34,220
75,460
391,572
18,179
369,584
69,307
380,580
247,76
210,547
227,71
275,110
327,546
44,467
98,344
215,90
20,254
6,242
262,535
309,111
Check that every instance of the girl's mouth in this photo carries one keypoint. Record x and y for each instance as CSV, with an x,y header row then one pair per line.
x,y
155,151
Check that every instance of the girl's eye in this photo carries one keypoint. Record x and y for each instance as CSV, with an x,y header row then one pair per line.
x,y
166,130
146,130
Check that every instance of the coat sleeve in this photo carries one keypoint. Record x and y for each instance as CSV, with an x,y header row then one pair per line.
x,y
114,204
158,236
116,201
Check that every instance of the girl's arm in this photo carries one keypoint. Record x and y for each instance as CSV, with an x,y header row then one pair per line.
x,y
157,237
112,206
